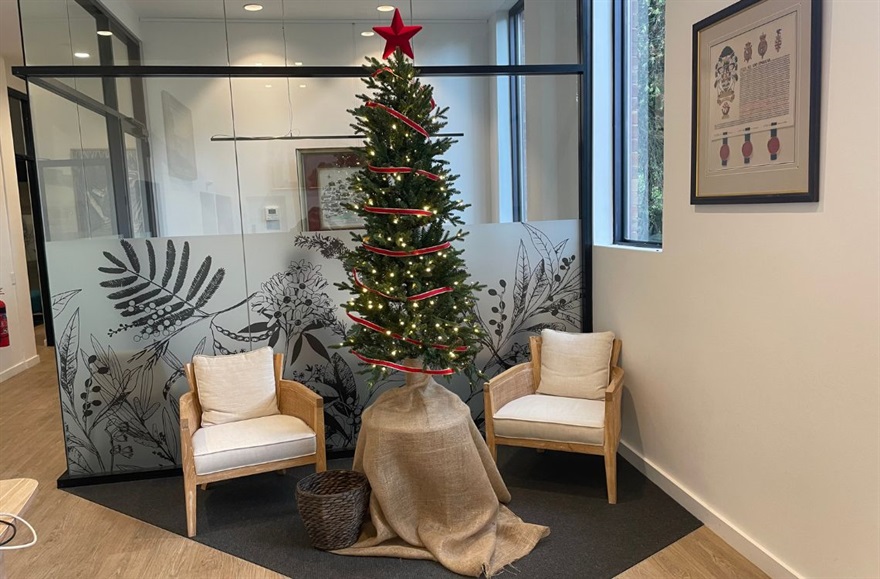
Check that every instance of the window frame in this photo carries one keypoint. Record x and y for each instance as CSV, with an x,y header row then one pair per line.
x,y
516,21
621,120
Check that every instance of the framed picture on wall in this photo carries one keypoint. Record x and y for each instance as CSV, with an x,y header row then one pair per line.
x,y
756,90
180,145
324,178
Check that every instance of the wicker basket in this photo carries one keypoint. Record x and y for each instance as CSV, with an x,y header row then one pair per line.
x,y
333,505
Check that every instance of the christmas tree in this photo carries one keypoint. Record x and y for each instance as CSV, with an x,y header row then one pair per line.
x,y
411,298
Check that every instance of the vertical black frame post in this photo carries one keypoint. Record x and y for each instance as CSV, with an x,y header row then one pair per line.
x,y
37,211
585,150
618,65
516,101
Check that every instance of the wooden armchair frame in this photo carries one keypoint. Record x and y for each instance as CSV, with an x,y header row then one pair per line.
x,y
523,380
294,399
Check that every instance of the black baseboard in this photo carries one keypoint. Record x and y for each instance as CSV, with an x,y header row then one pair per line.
x,y
68,480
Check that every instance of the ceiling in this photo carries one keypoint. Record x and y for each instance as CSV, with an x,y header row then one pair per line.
x,y
345,10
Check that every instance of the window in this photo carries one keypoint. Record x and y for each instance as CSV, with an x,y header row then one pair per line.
x,y
105,167
517,110
640,36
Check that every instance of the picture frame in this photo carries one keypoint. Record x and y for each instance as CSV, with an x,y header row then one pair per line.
x,y
755,103
180,147
324,187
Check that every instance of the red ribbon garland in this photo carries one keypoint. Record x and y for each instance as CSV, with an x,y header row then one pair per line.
x,y
386,69
414,298
381,330
415,252
431,176
402,368
402,117
397,211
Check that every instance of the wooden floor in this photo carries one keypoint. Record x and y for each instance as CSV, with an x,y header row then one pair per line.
x,y
82,539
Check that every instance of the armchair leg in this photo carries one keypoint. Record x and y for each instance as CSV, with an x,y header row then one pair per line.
x,y
321,463
204,486
611,476
493,450
190,492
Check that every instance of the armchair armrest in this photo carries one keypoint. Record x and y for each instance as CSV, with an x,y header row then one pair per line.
x,y
190,415
190,421
615,388
511,384
613,395
295,399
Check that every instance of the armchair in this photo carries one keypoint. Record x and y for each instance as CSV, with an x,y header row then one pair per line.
x,y
517,415
236,448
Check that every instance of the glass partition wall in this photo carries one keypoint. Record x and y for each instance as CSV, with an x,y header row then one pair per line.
x,y
191,166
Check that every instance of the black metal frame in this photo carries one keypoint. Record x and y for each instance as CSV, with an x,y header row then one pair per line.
x,y
620,121
516,106
146,71
812,192
29,161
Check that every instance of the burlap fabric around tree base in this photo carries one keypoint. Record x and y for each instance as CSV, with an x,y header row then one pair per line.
x,y
436,493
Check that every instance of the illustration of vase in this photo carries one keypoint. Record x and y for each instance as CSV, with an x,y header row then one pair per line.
x,y
762,45
778,43
747,52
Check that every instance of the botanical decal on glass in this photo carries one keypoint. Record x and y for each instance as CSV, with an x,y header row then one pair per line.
x,y
119,393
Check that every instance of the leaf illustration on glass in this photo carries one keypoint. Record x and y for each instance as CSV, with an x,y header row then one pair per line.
x,y
60,301
338,376
177,366
68,350
157,307
544,246
170,428
541,281
521,284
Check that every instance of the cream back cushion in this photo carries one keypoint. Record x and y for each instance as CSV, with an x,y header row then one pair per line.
x,y
575,365
236,387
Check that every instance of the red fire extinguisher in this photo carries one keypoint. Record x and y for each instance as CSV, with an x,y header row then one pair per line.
x,y
4,326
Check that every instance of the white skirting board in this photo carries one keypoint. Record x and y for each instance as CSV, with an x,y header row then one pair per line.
x,y
747,546
19,368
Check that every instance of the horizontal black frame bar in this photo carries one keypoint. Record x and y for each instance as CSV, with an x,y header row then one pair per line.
x,y
57,87
225,138
67,71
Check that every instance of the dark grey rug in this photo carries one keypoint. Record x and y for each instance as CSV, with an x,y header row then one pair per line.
x,y
255,518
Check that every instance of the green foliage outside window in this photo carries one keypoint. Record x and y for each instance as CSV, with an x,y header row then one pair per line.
x,y
648,52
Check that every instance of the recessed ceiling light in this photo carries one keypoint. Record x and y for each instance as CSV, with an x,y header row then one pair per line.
x,y
368,33
253,7
297,63
258,64
81,54
385,8
302,86
268,86
105,33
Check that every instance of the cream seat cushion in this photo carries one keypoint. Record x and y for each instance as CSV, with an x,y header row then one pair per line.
x,y
552,418
575,365
251,442
236,387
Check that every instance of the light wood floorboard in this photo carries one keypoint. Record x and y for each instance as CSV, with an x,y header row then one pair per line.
x,y
80,539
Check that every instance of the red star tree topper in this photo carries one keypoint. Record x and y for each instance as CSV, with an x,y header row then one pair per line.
x,y
396,35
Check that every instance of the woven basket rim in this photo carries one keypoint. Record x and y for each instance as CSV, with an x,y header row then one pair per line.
x,y
358,479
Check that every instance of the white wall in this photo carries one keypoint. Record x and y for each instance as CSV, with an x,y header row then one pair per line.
x,y
268,171
751,342
22,351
